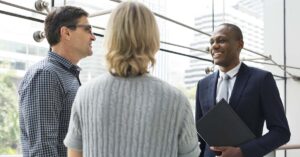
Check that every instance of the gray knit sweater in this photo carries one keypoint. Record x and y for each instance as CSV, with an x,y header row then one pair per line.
x,y
131,117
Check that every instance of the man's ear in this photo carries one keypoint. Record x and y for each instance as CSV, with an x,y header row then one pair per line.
x,y
241,44
65,33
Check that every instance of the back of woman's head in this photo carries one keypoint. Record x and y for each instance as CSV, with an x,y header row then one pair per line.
x,y
132,39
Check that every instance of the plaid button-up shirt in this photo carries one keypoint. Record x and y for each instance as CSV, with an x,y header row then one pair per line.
x,y
46,94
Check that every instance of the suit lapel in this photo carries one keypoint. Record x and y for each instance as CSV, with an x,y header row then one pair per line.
x,y
239,86
212,88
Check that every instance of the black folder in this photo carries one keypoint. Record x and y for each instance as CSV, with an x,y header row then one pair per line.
x,y
221,126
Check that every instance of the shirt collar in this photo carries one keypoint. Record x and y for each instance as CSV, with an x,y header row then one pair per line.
x,y
233,72
64,62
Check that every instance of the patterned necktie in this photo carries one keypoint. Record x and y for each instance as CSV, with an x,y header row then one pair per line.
x,y
223,88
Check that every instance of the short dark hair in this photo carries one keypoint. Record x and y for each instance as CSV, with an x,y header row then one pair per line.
x,y
235,29
59,17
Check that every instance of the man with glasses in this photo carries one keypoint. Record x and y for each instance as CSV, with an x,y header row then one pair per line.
x,y
48,88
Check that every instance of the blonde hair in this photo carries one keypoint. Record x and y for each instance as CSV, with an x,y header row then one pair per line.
x,y
131,40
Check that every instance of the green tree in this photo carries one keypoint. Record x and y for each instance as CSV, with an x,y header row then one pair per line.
x,y
9,124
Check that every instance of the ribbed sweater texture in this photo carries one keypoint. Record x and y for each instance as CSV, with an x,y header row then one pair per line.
x,y
131,117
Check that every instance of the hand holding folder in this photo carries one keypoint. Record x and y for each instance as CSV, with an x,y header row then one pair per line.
x,y
221,126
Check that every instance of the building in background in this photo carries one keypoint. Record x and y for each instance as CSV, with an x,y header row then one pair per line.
x,y
160,69
18,51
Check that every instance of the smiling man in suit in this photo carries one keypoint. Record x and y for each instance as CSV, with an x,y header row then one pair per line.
x,y
251,92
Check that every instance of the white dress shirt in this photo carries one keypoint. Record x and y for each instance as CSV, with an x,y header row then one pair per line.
x,y
232,73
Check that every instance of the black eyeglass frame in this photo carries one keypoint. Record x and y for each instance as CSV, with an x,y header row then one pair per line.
x,y
86,27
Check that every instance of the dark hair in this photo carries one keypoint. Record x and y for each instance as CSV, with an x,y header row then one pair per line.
x,y
59,17
235,29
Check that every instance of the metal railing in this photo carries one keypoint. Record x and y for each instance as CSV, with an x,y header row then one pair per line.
x,y
284,147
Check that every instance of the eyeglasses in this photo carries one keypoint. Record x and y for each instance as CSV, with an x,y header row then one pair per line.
x,y
87,28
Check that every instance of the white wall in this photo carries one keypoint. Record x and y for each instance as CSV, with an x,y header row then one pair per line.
x,y
274,45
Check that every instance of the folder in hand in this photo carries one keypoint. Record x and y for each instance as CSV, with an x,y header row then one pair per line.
x,y
221,126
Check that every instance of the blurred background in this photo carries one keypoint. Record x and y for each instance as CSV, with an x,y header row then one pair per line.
x,y
270,28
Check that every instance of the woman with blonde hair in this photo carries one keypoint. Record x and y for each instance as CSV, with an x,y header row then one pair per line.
x,y
127,112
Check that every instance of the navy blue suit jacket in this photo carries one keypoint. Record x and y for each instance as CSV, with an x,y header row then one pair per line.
x,y
255,98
